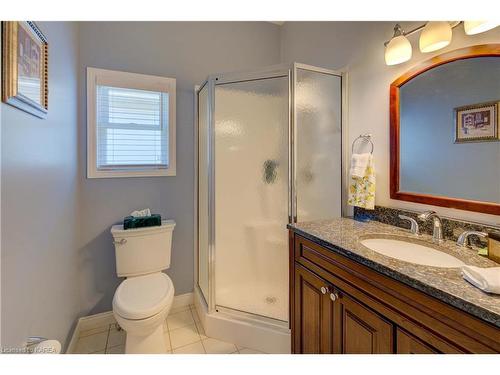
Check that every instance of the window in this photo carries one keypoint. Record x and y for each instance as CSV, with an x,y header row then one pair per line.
x,y
130,124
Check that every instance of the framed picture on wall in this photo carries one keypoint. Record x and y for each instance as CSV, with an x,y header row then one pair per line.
x,y
25,67
477,123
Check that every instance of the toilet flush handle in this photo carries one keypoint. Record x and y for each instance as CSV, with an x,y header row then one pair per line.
x,y
123,241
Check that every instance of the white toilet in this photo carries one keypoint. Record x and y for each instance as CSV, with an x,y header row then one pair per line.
x,y
143,300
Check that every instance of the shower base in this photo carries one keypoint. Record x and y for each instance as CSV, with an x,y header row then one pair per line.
x,y
243,329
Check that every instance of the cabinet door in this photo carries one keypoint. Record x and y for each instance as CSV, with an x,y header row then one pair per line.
x,y
409,344
312,331
359,330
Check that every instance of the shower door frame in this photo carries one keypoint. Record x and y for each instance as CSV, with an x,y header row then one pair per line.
x,y
275,71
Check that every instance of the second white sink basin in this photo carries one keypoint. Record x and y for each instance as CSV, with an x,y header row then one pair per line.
x,y
412,252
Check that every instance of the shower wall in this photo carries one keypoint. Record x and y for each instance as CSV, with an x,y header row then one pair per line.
x,y
318,108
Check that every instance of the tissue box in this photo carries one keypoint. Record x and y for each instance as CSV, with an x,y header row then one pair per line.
x,y
131,222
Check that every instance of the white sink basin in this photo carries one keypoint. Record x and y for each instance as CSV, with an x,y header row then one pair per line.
x,y
412,252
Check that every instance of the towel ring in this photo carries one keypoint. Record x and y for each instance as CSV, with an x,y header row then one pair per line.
x,y
366,138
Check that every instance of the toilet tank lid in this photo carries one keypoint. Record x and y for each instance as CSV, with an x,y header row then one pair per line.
x,y
118,231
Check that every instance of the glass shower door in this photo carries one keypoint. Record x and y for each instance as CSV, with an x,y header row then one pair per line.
x,y
251,196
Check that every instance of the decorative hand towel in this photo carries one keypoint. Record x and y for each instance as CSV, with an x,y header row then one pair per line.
x,y
362,189
487,279
359,163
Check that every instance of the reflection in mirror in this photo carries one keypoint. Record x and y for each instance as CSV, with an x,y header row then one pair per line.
x,y
449,141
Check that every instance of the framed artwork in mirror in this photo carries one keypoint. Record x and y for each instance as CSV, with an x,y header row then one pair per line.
x,y
25,67
476,123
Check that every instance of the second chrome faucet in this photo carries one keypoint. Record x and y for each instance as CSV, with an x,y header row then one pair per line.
x,y
437,228
437,233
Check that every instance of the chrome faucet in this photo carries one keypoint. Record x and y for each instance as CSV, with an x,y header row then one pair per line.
x,y
414,225
463,239
437,233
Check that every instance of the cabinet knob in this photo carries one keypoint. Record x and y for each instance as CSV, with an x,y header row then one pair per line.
x,y
324,290
334,296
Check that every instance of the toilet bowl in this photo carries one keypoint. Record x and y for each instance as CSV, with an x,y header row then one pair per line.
x,y
140,306
143,300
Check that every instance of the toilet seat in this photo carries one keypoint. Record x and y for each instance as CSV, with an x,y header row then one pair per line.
x,y
142,297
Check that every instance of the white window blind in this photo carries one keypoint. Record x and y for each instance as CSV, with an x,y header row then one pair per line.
x,y
132,128
130,124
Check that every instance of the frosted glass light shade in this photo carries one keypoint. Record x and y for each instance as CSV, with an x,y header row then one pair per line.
x,y
476,27
435,35
398,50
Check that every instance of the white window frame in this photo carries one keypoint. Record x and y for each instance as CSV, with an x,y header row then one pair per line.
x,y
127,80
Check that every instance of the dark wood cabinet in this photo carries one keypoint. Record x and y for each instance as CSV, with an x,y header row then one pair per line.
x,y
359,330
314,313
409,344
329,321
340,306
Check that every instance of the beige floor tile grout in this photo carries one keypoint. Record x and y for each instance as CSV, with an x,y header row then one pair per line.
x,y
198,332
169,338
107,339
114,346
203,346
183,346
204,349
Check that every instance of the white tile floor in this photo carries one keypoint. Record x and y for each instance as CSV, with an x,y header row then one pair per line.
x,y
183,335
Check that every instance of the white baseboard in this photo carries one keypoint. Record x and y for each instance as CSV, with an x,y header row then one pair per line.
x,y
89,322
183,300
105,318
97,320
74,338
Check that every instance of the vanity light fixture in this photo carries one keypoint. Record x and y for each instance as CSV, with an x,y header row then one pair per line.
x,y
435,35
476,27
398,49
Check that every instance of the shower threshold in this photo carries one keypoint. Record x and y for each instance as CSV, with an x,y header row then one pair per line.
x,y
244,329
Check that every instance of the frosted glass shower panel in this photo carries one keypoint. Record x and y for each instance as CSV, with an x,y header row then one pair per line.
x,y
203,200
318,145
251,196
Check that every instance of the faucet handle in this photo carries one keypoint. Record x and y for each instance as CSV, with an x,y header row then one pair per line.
x,y
426,215
463,239
414,225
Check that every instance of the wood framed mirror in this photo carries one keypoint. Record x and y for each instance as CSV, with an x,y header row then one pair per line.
x,y
444,131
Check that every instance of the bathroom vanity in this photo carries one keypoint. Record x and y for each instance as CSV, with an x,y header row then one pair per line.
x,y
347,298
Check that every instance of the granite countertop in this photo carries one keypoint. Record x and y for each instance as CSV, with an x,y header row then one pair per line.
x,y
343,236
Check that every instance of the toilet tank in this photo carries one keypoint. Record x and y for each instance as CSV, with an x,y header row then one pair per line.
x,y
143,250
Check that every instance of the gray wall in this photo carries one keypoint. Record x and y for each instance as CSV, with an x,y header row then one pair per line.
x,y
40,291
358,48
188,52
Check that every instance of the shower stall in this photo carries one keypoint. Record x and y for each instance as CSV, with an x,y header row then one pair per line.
x,y
268,153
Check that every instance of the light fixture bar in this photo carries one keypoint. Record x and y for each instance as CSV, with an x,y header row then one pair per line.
x,y
418,28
